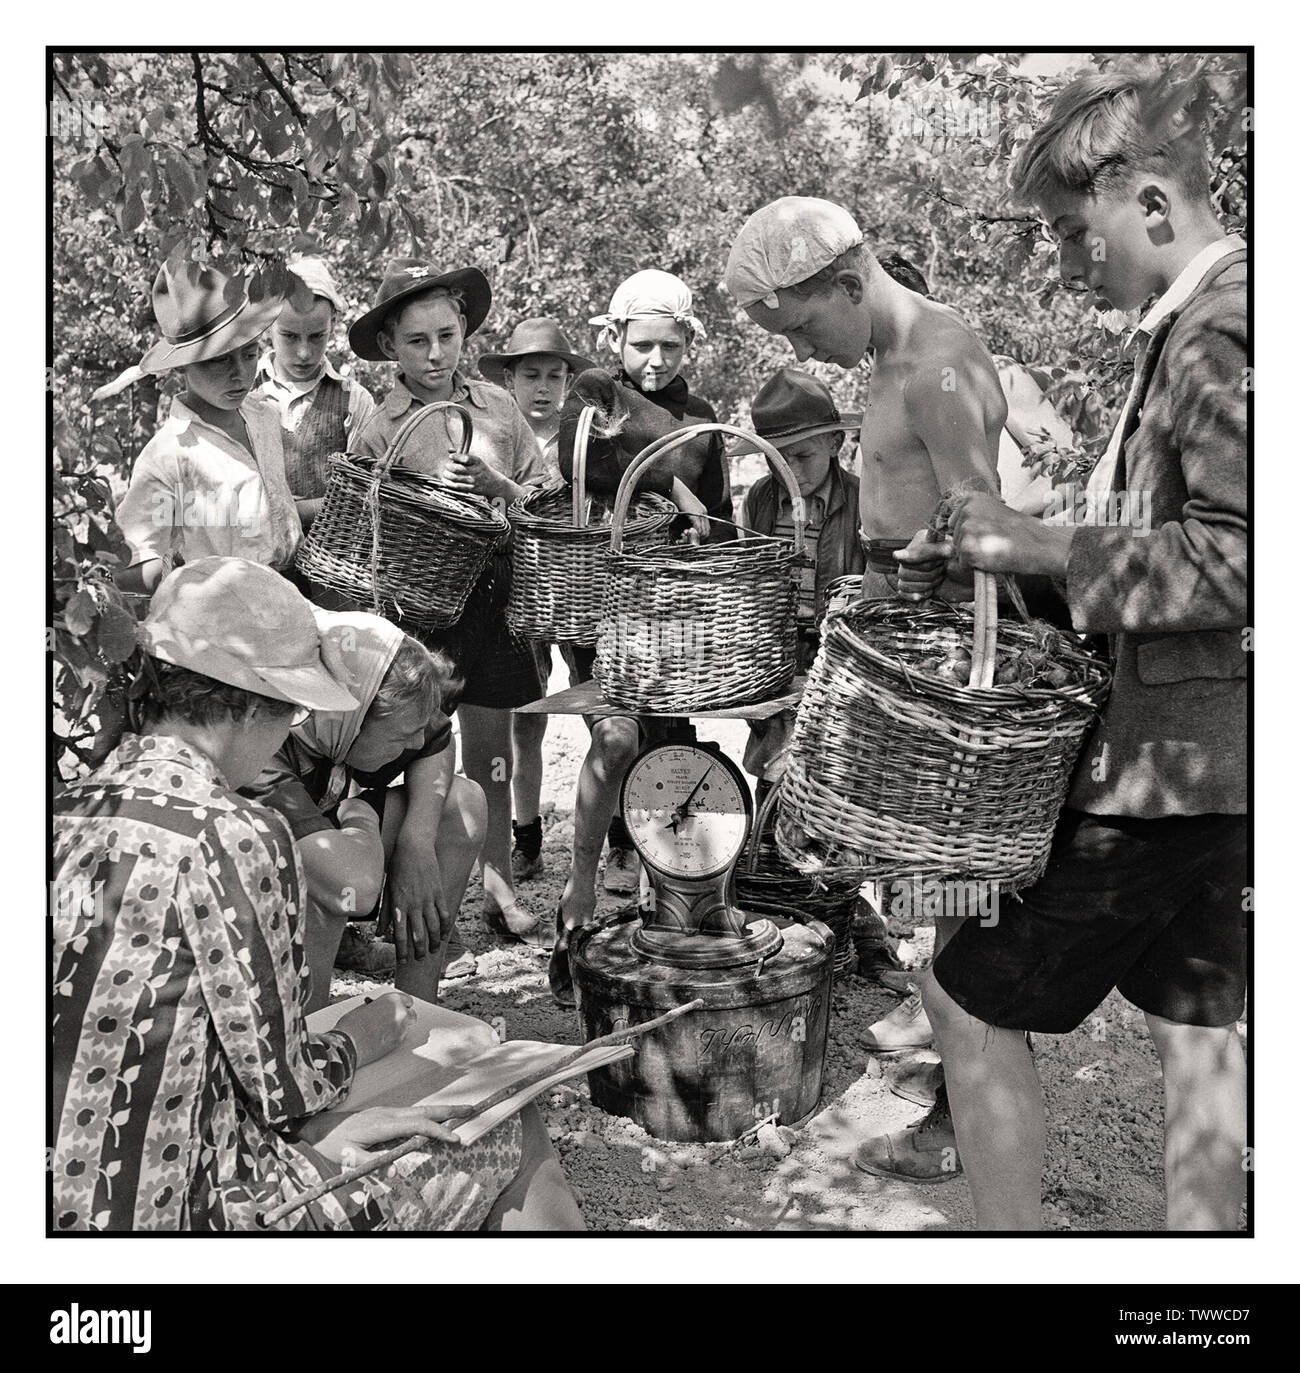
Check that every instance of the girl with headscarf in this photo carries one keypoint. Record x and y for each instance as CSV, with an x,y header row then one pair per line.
x,y
415,844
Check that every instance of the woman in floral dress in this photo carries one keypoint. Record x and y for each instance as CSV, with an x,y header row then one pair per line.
x,y
183,1068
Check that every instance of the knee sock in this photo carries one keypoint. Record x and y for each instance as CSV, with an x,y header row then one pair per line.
x,y
618,836
528,838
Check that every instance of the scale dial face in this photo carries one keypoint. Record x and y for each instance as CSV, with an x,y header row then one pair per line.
x,y
687,810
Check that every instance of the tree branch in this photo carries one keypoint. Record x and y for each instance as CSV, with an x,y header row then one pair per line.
x,y
275,81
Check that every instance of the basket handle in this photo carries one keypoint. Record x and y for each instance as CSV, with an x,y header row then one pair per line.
x,y
675,439
410,425
760,824
984,654
580,439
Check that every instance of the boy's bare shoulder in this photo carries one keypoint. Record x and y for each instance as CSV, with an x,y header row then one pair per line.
x,y
948,340
949,359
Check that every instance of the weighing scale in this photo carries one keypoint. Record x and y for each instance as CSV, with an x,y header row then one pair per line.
x,y
687,808
756,1047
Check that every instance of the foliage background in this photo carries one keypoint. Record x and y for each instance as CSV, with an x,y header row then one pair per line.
x,y
557,173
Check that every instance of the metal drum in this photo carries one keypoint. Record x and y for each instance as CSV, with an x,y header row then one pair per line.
x,y
756,1047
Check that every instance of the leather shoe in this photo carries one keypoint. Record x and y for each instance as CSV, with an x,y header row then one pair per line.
x,y
925,1152
906,1027
534,935
918,1079
559,974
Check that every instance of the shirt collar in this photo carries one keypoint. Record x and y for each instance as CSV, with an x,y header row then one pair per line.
x,y
184,416
1185,283
136,750
266,371
399,400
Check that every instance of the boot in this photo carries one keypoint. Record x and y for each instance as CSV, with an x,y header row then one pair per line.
x,y
924,1152
877,961
919,1080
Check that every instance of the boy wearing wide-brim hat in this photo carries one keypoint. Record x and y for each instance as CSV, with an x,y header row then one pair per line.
x,y
536,368
798,416
211,482
321,411
420,320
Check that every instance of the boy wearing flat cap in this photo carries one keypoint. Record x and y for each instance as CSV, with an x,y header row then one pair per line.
x,y
321,411
420,321
211,482
935,412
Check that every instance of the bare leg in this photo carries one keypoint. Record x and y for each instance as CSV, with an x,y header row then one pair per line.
x,y
321,935
538,1198
460,838
1205,1123
527,733
486,750
997,1108
614,743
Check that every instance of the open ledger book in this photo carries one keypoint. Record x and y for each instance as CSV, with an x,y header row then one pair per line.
x,y
454,1060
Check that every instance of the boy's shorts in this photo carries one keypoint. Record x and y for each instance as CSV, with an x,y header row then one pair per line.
x,y
499,669
1153,907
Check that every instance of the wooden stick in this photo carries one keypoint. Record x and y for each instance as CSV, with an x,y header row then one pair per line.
x,y
757,1125
266,1219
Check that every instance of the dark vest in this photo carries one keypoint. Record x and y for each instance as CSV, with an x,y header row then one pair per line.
x,y
321,431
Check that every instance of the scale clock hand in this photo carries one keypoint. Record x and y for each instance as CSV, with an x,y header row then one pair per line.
x,y
679,812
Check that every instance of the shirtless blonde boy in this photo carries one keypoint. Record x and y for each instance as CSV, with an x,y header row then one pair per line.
x,y
932,423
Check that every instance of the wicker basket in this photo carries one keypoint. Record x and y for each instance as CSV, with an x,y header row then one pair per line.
x,y
685,629
898,773
403,541
765,879
560,560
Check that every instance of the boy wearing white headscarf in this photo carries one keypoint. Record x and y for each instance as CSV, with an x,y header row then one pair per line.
x,y
649,327
932,424
935,410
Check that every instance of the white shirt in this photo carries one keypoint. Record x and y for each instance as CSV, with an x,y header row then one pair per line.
x,y
197,493
1180,289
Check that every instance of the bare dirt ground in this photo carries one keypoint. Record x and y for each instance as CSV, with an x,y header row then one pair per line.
x,y
1102,1088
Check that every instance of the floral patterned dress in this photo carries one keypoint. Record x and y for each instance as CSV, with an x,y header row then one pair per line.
x,y
182,1062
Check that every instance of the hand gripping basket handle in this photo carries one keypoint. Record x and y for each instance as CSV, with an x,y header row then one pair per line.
x,y
422,413
674,440
580,438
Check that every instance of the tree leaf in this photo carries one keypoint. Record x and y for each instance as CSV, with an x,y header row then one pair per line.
x,y
115,634
132,212
80,613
